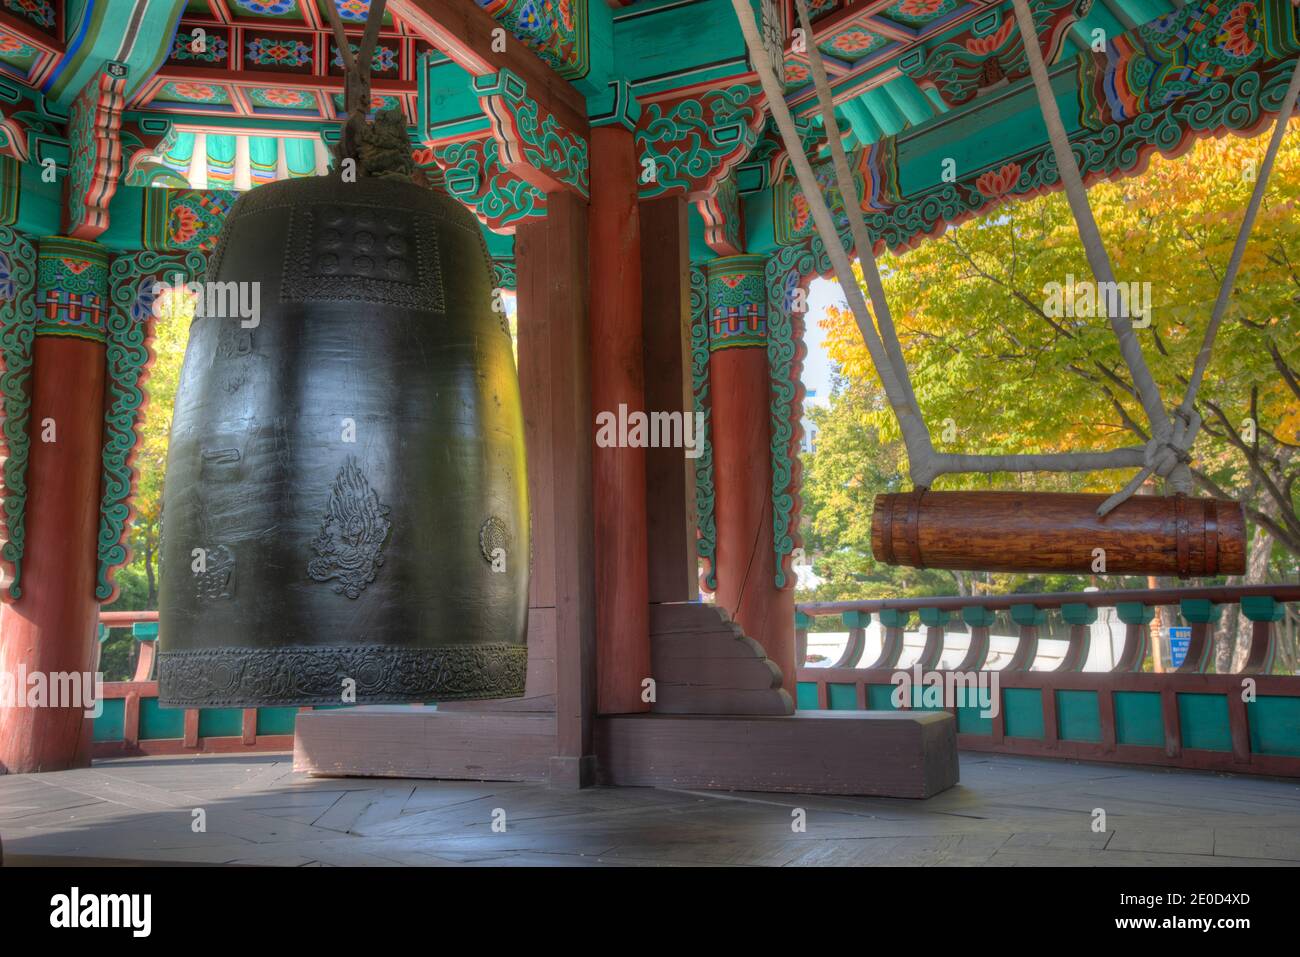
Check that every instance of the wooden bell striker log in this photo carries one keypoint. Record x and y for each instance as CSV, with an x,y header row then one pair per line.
x,y
1059,532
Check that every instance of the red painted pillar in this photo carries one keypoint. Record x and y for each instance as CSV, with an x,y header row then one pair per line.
x,y
740,391
618,390
51,628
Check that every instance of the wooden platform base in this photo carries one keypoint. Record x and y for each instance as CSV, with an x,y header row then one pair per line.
x,y
881,753
884,754
403,742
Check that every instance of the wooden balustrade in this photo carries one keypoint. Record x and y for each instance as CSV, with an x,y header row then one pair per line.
x,y
132,723
1246,722
1199,607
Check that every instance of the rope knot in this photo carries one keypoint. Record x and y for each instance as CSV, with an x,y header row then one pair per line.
x,y
1170,447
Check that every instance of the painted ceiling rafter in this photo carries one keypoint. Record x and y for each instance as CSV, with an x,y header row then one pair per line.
x,y
94,131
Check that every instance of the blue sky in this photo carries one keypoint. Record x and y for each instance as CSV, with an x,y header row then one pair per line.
x,y
816,366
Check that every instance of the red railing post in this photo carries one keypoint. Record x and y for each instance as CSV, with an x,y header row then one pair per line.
x,y
934,620
891,647
1080,618
1201,614
1135,616
1030,618
978,619
1261,611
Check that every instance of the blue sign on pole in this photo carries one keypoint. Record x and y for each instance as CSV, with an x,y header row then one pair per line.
x,y
1180,636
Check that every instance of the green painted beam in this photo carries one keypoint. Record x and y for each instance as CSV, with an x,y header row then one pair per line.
x,y
100,31
888,117
909,100
663,44
865,127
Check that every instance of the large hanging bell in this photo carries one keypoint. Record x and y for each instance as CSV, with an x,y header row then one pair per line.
x,y
345,510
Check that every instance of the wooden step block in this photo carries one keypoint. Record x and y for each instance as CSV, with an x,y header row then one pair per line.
x,y
402,742
693,699
703,663
879,753
689,616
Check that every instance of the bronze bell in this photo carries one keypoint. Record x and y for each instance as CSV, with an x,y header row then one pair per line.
x,y
345,504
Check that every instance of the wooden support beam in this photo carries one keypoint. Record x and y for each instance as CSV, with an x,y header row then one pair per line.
x,y
666,332
618,392
466,33
555,380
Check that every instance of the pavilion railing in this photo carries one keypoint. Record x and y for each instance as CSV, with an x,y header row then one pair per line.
x,y
132,723
1185,717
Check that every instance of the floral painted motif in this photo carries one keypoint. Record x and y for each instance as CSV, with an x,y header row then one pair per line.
x,y
1182,53
918,12
185,219
982,46
556,30
273,51
40,12
214,49
800,214
194,93
267,8
12,46
378,103
1239,31
988,54
354,10
853,44
285,99
998,182
182,224
384,59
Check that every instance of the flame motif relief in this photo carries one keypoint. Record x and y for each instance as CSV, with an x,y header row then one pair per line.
x,y
349,548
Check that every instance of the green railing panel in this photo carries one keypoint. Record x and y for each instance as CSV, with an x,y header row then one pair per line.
x,y
880,698
842,697
111,725
806,700
221,722
1023,713
919,696
1274,725
1203,720
969,721
1077,716
1138,719
276,720
156,722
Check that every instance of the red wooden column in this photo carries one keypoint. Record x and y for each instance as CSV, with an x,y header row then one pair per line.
x,y
740,390
50,629
554,378
618,390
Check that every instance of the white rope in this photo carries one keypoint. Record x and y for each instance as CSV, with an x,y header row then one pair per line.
x,y
1243,236
1089,234
853,207
1187,422
1166,453
916,437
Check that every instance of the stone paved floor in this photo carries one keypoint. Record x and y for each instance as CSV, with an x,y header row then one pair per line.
x,y
1006,811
